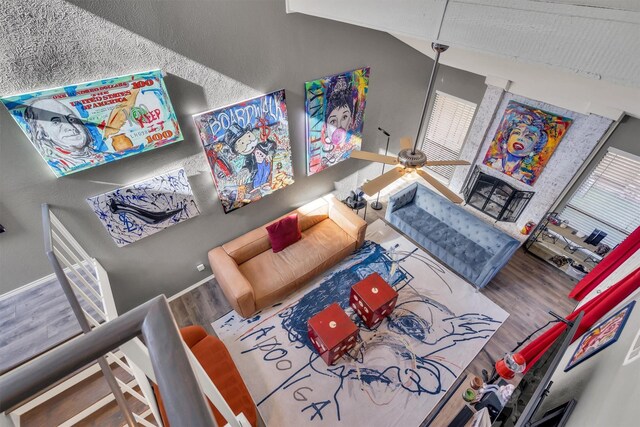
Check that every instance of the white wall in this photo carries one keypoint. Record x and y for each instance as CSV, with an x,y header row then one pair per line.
x,y
606,392
577,144
563,88
598,43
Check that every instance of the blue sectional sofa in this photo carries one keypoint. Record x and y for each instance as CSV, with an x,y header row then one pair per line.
x,y
468,245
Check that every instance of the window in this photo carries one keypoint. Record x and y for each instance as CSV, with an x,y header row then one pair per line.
x,y
609,199
447,129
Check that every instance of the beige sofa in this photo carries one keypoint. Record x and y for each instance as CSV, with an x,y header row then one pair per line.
x,y
253,277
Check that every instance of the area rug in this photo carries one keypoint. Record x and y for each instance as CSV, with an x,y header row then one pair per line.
x,y
400,371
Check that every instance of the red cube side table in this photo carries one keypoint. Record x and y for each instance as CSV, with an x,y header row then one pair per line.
x,y
332,333
373,299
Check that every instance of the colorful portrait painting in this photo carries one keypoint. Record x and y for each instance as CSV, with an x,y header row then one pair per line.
x,y
600,336
334,117
139,210
525,141
248,148
80,126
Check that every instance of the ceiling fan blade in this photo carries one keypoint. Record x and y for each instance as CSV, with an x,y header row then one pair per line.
x,y
447,163
372,187
405,142
440,187
373,157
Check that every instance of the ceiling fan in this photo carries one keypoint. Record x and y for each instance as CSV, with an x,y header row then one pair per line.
x,y
409,158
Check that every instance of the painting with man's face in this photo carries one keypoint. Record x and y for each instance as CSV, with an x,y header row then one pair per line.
x,y
334,108
80,126
248,148
525,141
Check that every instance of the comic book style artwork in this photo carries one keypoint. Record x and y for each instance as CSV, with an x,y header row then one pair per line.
x,y
139,210
600,336
334,109
248,148
409,360
525,141
80,126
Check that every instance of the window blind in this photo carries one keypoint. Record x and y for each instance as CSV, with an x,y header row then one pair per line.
x,y
447,129
609,199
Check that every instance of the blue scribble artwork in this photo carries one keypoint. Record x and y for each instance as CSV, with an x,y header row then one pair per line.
x,y
142,209
409,361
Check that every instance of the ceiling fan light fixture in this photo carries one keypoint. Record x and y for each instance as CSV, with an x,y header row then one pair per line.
x,y
410,158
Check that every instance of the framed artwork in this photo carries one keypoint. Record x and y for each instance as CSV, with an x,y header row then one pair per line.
x,y
600,336
80,126
139,210
525,141
248,148
334,109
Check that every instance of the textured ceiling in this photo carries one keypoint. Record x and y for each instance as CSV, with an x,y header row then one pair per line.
x,y
597,39
630,5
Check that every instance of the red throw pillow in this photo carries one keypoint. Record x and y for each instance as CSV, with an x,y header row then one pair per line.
x,y
284,232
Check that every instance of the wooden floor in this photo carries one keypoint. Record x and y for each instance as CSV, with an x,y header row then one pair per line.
x,y
33,321
527,288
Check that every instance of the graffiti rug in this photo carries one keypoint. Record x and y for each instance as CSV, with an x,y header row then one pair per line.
x,y
400,370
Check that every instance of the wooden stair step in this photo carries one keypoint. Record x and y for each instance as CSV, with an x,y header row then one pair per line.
x,y
73,400
111,416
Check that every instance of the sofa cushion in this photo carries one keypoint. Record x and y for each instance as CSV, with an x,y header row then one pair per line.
x,y
284,233
257,241
452,247
275,275
217,363
248,245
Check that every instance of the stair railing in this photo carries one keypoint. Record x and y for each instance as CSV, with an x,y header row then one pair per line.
x,y
86,283
183,398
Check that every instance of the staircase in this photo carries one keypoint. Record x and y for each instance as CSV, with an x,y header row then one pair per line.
x,y
116,390
85,399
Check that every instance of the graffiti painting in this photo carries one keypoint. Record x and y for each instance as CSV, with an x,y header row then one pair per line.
x,y
409,361
600,336
248,148
139,210
334,108
80,126
525,141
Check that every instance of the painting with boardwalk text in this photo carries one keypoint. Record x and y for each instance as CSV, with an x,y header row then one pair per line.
x,y
248,148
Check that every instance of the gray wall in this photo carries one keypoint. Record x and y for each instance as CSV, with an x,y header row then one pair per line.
x,y
216,53
606,392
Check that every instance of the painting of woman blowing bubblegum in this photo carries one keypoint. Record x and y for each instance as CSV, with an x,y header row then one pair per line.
x,y
334,117
525,141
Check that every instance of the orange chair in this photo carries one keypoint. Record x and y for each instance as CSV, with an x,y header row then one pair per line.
x,y
216,361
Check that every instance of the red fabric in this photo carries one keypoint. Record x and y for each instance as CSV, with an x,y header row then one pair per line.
x,y
594,310
216,361
612,261
192,335
284,232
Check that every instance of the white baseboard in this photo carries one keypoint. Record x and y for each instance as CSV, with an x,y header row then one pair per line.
x,y
49,278
190,288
